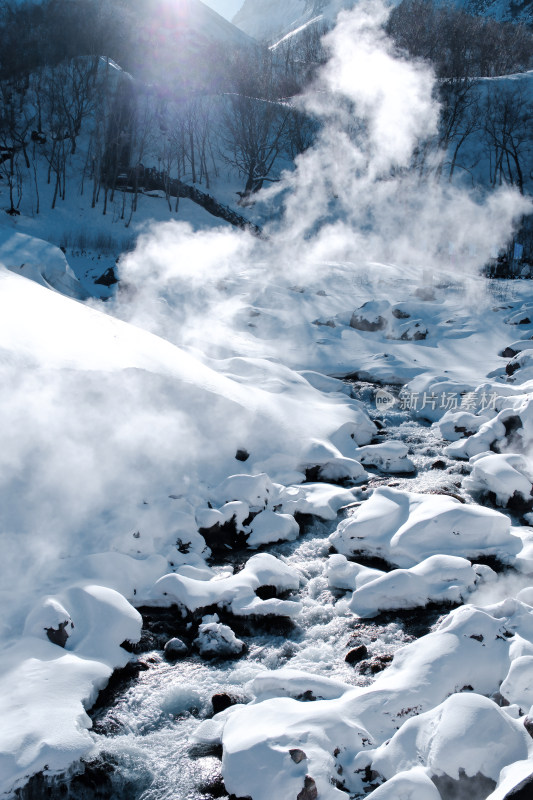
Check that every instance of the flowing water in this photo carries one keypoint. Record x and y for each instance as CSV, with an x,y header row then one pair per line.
x,y
144,726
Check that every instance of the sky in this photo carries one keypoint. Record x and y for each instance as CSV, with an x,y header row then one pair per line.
x,y
228,8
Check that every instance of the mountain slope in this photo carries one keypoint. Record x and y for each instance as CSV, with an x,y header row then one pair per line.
x,y
187,36
270,20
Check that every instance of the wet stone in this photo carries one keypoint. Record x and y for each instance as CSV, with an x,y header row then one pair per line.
x,y
377,664
222,701
297,755
175,649
356,655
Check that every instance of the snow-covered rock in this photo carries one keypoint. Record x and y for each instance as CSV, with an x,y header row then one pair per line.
x,y
505,476
389,457
255,490
217,640
404,528
236,592
436,579
518,684
270,526
297,684
467,732
372,316
318,499
57,682
455,425
348,575
466,656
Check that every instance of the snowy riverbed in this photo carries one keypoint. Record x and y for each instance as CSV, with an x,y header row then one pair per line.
x,y
202,450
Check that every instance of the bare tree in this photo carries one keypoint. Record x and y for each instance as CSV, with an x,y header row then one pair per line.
x,y
508,134
255,122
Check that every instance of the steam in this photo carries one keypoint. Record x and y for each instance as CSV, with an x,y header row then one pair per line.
x,y
86,452
351,198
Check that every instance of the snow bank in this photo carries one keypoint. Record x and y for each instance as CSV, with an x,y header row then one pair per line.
x,y
506,476
406,719
236,592
436,579
39,261
404,528
56,685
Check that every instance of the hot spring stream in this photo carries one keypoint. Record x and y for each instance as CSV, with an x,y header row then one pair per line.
x,y
144,724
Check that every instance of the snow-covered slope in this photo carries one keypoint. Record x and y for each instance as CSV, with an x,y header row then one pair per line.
x,y
270,20
187,36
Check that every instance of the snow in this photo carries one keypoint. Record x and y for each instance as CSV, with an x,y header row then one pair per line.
x,y
436,579
441,740
124,426
237,592
504,474
403,528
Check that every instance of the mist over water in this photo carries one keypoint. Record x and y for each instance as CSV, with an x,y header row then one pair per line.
x,y
352,197
350,201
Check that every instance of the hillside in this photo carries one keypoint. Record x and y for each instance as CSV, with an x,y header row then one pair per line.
x,y
271,20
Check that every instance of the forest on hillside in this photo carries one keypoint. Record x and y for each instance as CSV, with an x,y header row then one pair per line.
x,y
158,105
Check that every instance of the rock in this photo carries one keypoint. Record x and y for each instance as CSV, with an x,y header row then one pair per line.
x,y
397,313
224,537
356,655
524,790
414,333
377,664
297,755
309,792
222,701
528,725
369,316
108,278
512,367
175,649
216,640
475,787
58,635
438,464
